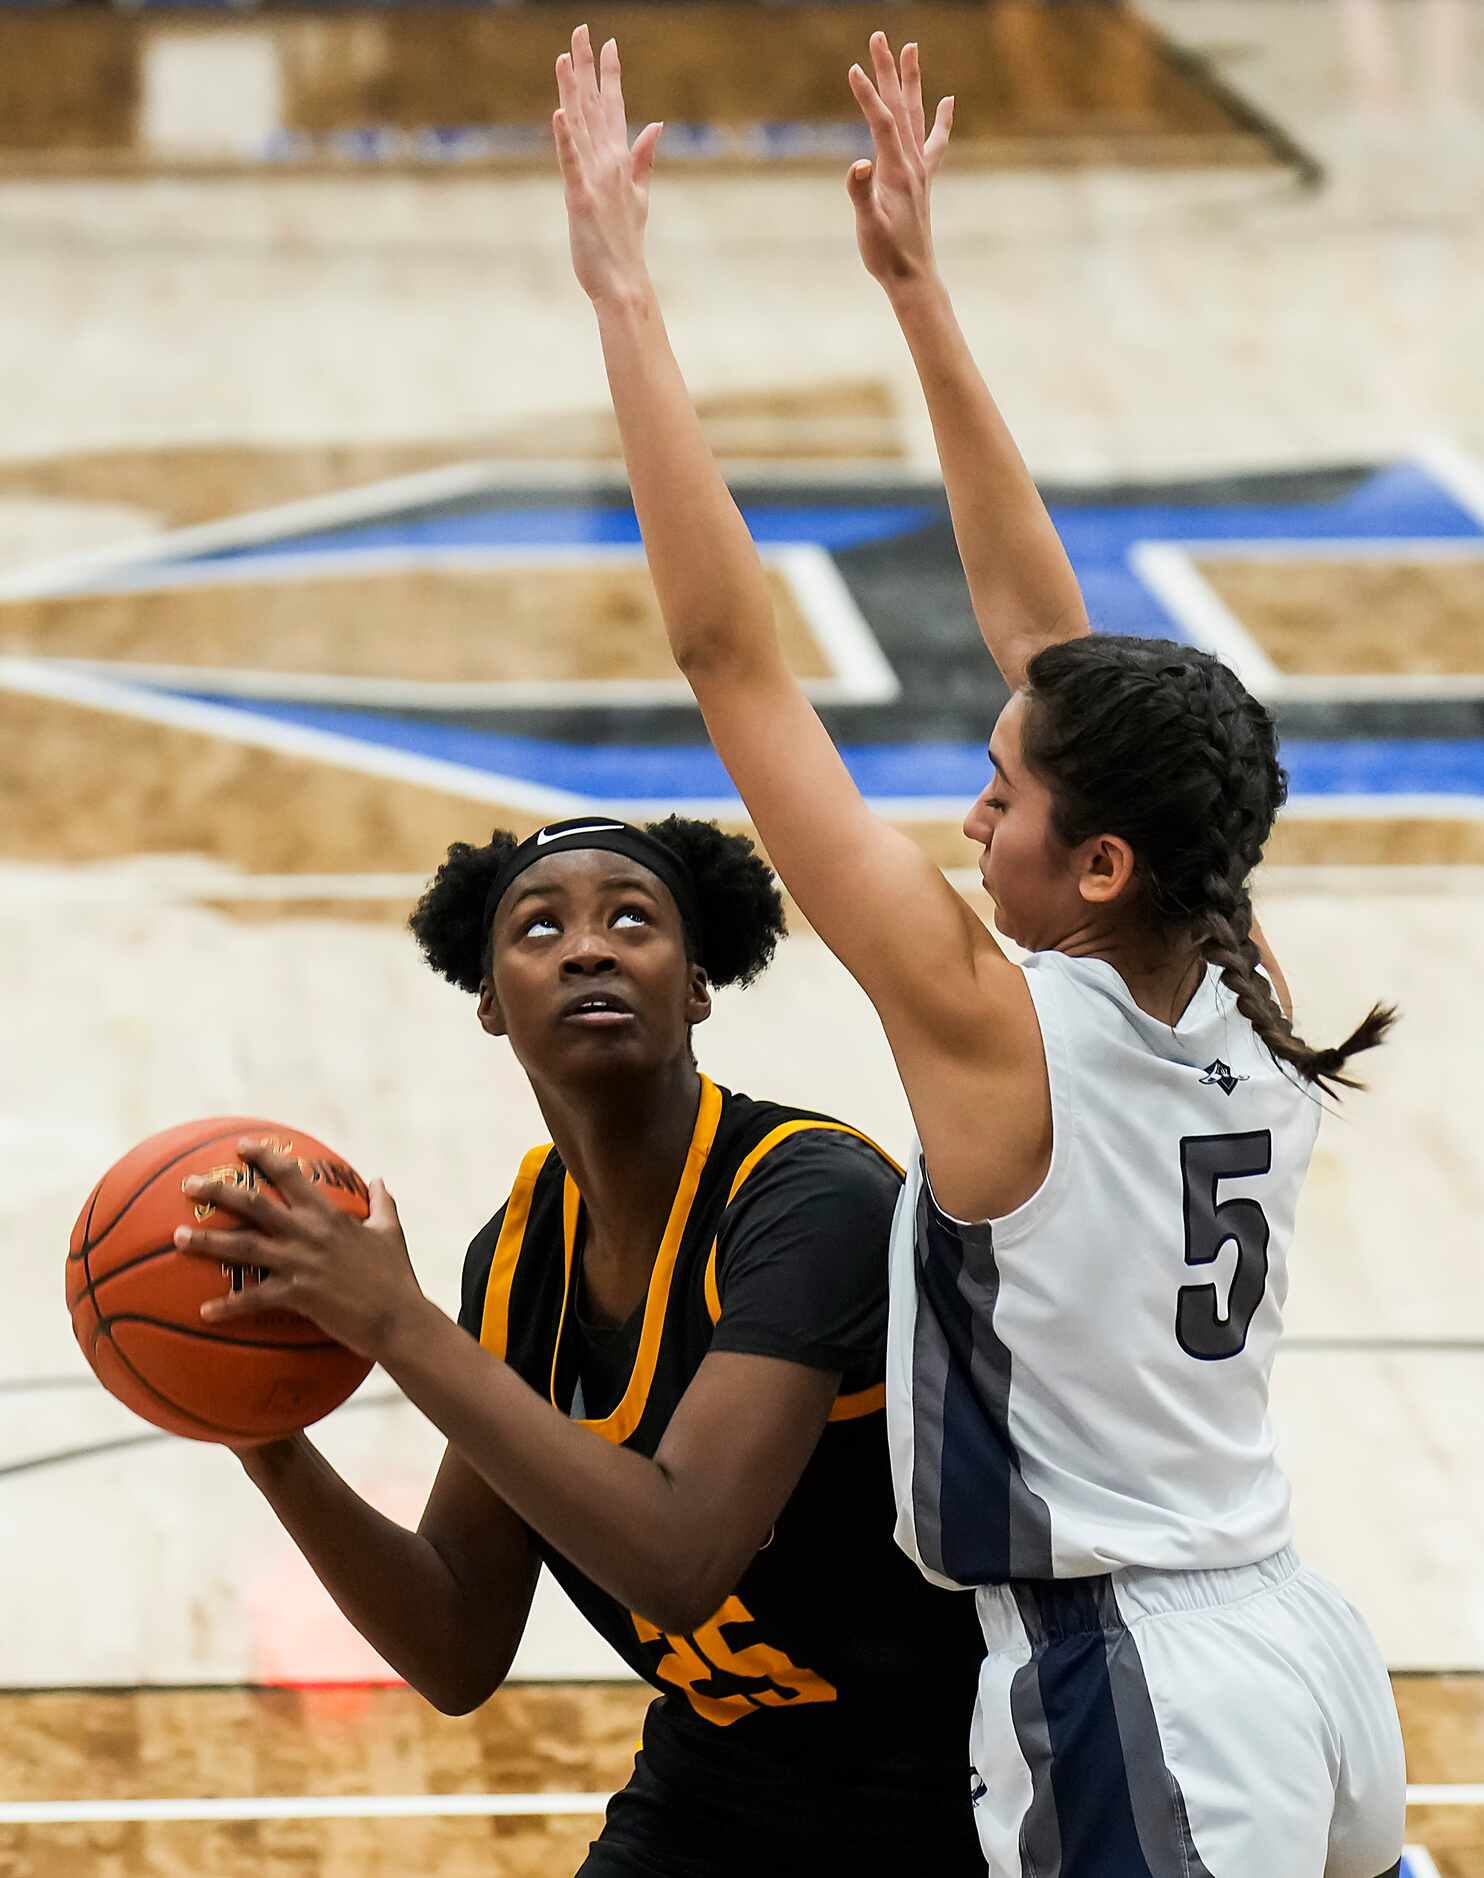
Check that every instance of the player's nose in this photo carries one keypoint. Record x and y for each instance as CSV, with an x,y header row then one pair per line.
x,y
588,952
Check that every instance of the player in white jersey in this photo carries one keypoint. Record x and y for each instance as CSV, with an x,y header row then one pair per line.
x,y
1090,1260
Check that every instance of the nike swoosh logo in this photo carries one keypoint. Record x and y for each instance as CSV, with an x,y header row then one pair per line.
x,y
589,828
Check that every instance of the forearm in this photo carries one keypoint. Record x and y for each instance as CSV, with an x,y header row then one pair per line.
x,y
1024,591
392,1584
710,583
615,1514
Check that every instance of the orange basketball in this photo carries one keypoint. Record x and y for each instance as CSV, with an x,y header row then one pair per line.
x,y
136,1301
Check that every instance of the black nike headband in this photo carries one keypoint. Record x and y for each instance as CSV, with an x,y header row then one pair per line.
x,y
587,831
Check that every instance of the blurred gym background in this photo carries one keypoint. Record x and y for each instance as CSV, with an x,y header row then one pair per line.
x,y
315,556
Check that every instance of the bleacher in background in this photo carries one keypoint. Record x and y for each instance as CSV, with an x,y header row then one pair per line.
x,y
216,85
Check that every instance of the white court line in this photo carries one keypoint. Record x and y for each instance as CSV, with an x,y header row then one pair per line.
x,y
489,475
334,1806
1170,574
1419,1862
1168,569
76,571
39,679
860,674
864,672
1398,808
1459,474
412,1806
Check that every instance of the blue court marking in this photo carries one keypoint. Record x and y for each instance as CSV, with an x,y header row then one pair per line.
x,y
1399,502
578,526
1402,502
1400,766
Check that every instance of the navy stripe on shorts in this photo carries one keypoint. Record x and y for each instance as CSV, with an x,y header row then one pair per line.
x,y
1103,1802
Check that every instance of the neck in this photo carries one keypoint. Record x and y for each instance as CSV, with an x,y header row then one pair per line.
x,y
1162,972
625,1145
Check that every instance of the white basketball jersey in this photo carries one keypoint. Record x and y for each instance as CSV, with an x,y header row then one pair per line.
x,y
1083,1384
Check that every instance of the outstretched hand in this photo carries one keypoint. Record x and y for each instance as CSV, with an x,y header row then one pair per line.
x,y
353,1278
607,183
893,223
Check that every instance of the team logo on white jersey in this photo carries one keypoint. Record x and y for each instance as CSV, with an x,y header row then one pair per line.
x,y
1221,1076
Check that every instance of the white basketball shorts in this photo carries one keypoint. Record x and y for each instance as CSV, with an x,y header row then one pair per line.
x,y
1151,1724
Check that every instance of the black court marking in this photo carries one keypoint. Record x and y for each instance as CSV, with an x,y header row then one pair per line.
x,y
1198,67
91,1450
910,589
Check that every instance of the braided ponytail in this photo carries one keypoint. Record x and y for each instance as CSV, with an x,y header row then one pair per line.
x,y
1223,932
1163,746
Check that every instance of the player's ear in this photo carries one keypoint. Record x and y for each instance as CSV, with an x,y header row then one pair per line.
x,y
1106,868
698,996
491,1017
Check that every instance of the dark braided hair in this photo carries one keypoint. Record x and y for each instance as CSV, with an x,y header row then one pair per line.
x,y
1163,746
739,906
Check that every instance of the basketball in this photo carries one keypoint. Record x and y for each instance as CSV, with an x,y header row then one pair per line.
x,y
136,1301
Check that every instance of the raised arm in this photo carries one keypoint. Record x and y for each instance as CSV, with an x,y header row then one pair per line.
x,y
1024,591
852,874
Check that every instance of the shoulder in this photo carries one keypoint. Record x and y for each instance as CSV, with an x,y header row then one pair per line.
x,y
799,1265
808,1184
773,1147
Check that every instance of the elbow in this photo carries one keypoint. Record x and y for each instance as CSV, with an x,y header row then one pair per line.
x,y
703,656
687,1600
464,1681
454,1702
729,648
678,1616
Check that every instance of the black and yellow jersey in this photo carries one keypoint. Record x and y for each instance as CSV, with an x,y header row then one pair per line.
x,y
833,1666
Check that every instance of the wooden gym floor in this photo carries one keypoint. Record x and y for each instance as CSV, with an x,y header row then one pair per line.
x,y
206,847
362,1744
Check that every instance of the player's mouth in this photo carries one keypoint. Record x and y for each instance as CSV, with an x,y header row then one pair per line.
x,y
598,1010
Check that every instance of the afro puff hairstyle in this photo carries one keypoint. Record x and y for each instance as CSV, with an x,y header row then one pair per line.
x,y
737,900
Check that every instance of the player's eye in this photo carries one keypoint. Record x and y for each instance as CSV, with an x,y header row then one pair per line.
x,y
631,913
538,920
995,802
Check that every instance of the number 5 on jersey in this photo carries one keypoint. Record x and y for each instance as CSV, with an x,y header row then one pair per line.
x,y
1210,1222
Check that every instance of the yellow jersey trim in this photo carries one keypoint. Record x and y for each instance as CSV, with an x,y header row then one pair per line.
x,y
849,1408
618,1426
862,1401
494,1326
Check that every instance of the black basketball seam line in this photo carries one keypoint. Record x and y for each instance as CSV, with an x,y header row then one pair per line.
x,y
158,1251
87,1225
205,1142
91,1287
216,1428
105,1327
89,1243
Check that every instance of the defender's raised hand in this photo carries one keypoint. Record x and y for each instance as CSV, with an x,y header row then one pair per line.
x,y
891,194
607,183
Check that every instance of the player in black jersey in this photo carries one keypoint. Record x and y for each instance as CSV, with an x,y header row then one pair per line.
x,y
672,1389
